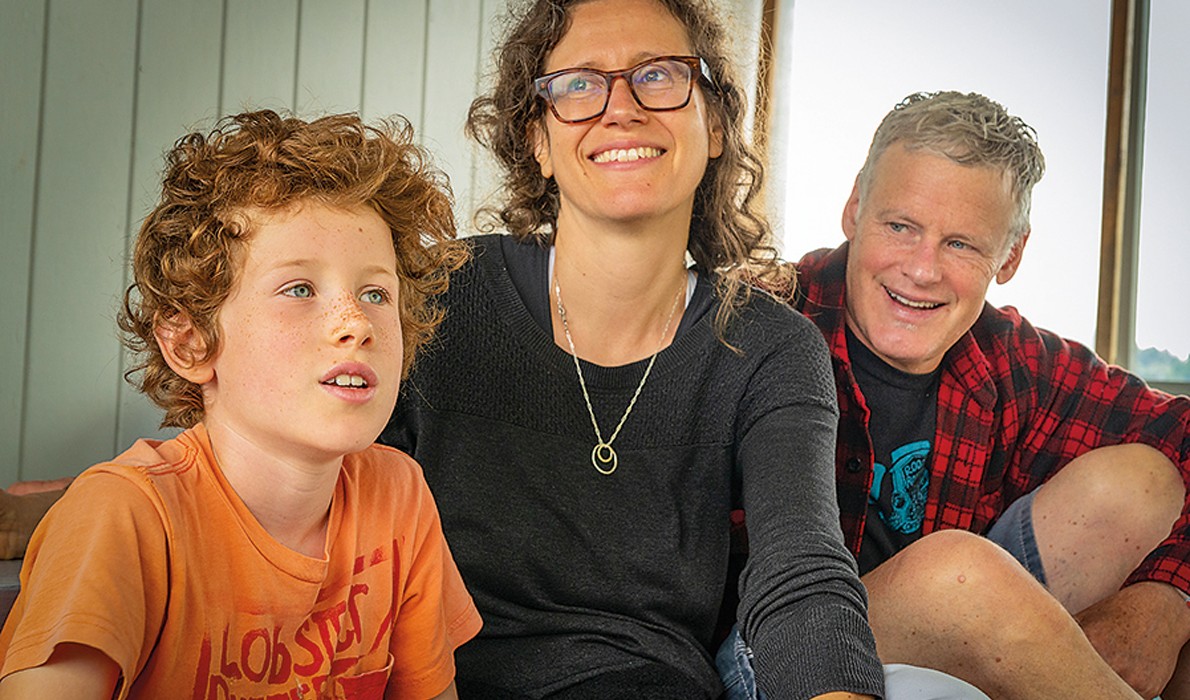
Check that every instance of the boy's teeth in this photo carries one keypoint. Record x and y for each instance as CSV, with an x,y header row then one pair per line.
x,y
353,380
913,304
626,155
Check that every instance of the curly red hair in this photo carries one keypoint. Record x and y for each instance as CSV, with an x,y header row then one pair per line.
x,y
190,246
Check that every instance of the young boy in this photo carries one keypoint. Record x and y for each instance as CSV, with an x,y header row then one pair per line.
x,y
270,550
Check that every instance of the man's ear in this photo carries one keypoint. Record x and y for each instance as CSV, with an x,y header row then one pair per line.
x,y
1008,269
541,148
851,212
184,349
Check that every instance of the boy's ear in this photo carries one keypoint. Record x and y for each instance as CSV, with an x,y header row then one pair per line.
x,y
182,345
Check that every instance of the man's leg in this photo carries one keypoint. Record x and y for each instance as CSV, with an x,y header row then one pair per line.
x,y
1095,521
959,603
1098,517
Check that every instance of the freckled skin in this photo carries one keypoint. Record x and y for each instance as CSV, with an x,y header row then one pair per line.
x,y
307,299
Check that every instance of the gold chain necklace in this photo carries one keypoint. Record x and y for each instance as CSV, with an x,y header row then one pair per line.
x,y
603,455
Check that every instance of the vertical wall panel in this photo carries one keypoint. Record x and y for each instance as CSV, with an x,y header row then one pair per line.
x,y
330,57
177,91
394,62
485,177
22,28
73,366
452,63
259,55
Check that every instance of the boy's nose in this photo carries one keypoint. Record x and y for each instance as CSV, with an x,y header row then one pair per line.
x,y
351,324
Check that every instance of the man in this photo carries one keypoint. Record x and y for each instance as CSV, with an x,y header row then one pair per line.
x,y
960,416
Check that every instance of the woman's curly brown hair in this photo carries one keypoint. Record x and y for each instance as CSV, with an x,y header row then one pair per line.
x,y
189,248
728,232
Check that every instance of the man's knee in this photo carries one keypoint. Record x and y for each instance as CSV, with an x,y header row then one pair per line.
x,y
946,577
1136,477
954,596
1121,487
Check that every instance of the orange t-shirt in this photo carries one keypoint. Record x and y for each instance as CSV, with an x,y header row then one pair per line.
x,y
154,560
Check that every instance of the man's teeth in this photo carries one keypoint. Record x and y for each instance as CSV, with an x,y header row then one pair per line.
x,y
913,304
351,380
627,155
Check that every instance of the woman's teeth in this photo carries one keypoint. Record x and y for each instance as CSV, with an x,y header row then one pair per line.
x,y
626,155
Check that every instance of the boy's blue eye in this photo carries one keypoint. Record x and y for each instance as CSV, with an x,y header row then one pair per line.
x,y
375,296
299,291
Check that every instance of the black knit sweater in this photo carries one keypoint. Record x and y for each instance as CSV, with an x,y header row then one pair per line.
x,y
577,574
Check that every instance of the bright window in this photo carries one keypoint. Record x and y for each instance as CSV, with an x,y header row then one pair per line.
x,y
845,63
1162,318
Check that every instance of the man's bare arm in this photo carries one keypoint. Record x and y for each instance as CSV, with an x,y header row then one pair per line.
x,y
1140,631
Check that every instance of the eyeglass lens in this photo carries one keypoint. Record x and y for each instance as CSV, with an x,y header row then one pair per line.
x,y
580,94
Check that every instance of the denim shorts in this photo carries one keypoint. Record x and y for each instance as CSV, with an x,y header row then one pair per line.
x,y
1014,532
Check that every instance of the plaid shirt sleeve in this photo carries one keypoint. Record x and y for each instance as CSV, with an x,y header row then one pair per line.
x,y
1015,405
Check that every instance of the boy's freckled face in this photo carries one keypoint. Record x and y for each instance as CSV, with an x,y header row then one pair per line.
x,y
311,345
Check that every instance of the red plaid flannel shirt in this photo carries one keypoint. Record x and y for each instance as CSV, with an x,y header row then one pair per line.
x,y
1015,404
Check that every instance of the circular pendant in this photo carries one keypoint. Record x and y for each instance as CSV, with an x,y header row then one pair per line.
x,y
602,456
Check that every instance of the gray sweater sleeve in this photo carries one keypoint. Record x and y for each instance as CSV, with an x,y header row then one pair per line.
x,y
802,609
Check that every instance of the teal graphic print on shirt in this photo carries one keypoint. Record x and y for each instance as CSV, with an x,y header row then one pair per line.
x,y
904,487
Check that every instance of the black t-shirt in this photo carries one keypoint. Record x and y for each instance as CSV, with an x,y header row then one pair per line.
x,y
902,407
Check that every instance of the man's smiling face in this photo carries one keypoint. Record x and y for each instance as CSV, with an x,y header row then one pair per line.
x,y
927,239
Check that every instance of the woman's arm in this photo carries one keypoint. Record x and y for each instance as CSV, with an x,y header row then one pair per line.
x,y
72,671
802,606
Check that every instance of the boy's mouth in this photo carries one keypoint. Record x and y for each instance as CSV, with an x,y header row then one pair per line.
x,y
353,381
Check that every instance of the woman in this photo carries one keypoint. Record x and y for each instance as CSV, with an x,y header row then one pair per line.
x,y
591,410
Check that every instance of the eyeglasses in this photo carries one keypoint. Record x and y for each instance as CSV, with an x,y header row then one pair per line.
x,y
659,84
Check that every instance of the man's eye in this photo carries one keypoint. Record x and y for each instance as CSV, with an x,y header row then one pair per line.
x,y
299,291
375,296
897,228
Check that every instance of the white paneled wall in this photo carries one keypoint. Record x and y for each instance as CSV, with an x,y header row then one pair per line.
x,y
92,94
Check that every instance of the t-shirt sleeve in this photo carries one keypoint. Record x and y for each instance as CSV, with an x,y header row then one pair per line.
x,y
435,613
94,574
